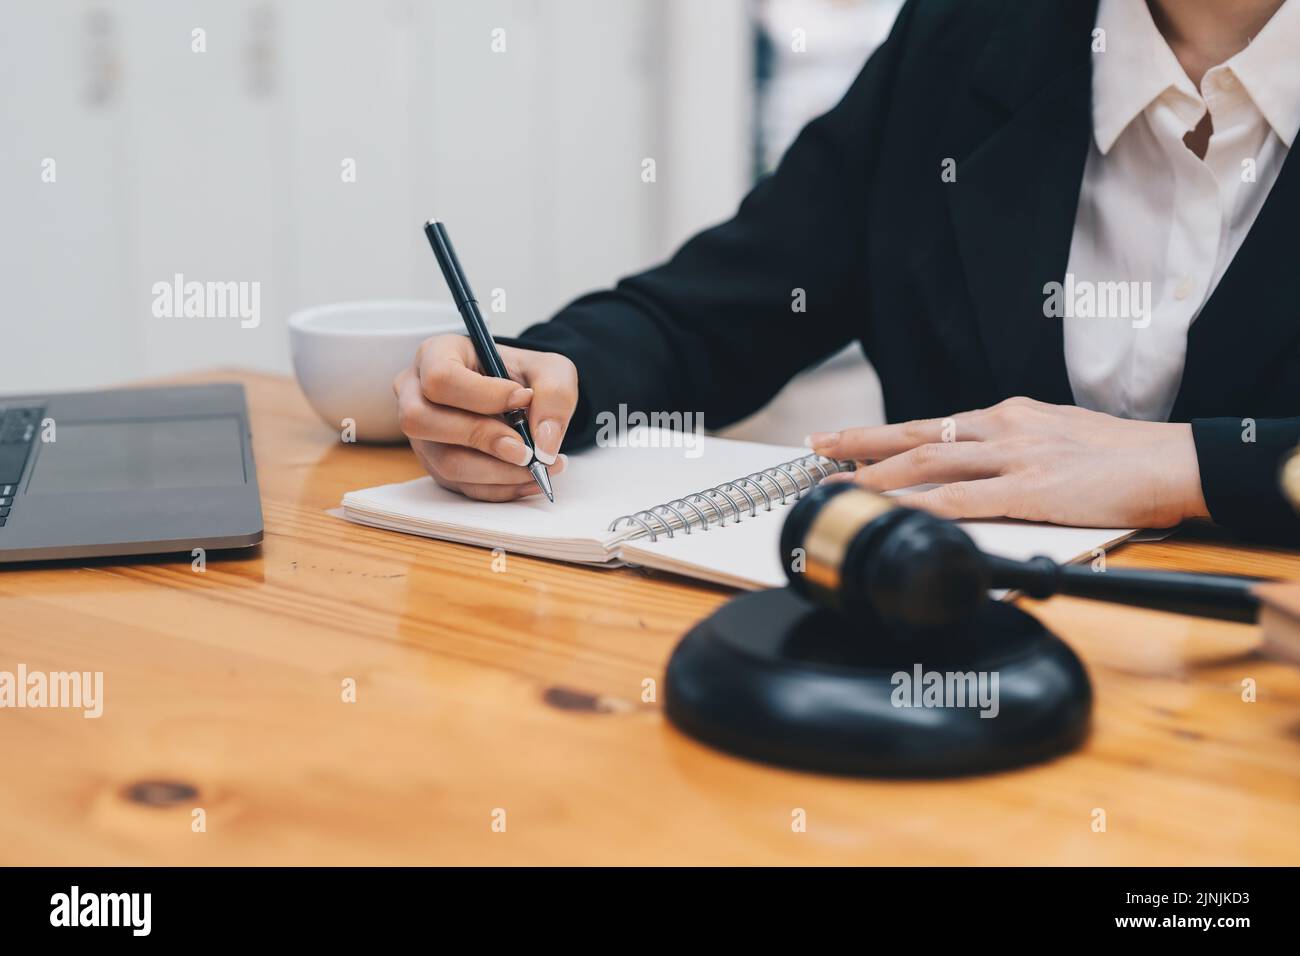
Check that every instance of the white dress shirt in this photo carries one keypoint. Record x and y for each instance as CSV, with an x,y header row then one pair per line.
x,y
1151,211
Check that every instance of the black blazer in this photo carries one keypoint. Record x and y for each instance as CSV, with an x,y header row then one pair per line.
x,y
942,282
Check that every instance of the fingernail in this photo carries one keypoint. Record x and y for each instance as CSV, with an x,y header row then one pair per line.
x,y
822,439
519,398
512,450
548,441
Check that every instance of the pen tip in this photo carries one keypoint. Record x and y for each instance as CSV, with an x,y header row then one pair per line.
x,y
543,479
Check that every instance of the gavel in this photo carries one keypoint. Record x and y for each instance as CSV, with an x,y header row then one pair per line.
x,y
860,553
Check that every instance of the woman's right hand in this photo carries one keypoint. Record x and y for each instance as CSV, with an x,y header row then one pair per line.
x,y
452,415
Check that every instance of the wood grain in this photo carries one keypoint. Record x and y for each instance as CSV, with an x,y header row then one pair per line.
x,y
522,691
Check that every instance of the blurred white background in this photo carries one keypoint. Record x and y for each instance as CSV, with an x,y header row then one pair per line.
x,y
228,164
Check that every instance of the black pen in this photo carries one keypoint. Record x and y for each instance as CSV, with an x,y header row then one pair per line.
x,y
488,356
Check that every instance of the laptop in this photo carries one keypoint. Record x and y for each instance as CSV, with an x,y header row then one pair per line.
x,y
126,472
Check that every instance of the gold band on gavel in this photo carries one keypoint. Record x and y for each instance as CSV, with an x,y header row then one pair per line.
x,y
827,540
1291,479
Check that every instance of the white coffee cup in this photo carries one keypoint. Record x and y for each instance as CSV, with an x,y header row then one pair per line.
x,y
346,357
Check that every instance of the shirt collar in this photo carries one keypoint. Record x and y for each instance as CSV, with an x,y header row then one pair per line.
x,y
1136,67
1267,69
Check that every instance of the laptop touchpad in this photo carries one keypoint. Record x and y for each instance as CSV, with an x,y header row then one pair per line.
x,y
140,455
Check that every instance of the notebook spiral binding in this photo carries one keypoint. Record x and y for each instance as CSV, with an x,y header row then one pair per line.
x,y
686,514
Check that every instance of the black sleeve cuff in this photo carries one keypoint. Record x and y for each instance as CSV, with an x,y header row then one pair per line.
x,y
1240,463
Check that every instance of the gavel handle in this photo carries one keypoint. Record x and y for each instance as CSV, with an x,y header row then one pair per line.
x,y
1220,596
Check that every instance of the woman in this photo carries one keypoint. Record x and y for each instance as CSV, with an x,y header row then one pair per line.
x,y
1062,231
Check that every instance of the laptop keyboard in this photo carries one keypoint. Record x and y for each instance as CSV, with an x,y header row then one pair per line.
x,y
17,435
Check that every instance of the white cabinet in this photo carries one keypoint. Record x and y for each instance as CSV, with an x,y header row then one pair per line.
x,y
64,255
204,148
236,164
350,224
533,122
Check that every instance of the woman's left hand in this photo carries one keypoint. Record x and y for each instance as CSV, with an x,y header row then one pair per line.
x,y
1026,459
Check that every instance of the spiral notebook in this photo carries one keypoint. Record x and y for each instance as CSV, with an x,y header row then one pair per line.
x,y
701,506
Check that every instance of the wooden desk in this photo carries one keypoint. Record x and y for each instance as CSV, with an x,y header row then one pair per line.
x,y
522,691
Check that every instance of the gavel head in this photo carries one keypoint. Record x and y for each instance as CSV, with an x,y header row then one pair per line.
x,y
846,548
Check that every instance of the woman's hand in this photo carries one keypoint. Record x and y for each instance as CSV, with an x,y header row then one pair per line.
x,y
1026,459
452,415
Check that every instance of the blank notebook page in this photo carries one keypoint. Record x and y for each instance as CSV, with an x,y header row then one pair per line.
x,y
602,484
598,485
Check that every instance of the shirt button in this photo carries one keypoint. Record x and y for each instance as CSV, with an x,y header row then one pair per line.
x,y
1183,289
1226,80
